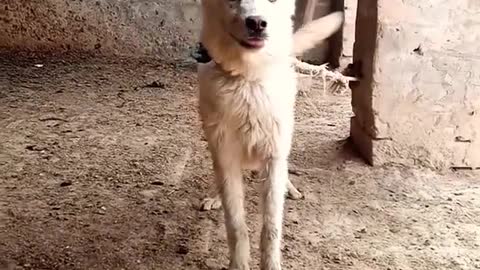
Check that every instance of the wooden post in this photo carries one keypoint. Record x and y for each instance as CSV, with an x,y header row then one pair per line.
x,y
335,42
309,11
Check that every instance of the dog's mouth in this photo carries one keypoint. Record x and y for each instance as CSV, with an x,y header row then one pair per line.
x,y
252,43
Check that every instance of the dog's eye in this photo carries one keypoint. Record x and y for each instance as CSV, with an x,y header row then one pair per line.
x,y
272,1
232,3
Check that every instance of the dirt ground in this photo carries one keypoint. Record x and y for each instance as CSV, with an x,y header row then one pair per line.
x,y
103,166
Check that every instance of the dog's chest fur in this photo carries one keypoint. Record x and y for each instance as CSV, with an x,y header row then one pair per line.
x,y
251,113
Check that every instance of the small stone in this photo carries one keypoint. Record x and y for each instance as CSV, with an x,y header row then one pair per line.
x,y
394,230
294,172
156,84
337,259
211,264
157,183
66,183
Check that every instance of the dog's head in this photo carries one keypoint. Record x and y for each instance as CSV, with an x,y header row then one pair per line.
x,y
243,34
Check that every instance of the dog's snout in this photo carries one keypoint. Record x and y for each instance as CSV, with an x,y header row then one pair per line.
x,y
256,23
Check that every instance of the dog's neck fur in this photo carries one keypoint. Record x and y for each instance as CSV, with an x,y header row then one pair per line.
x,y
248,65
238,62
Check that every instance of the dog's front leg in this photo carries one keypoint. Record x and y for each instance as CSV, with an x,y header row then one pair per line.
x,y
230,184
273,201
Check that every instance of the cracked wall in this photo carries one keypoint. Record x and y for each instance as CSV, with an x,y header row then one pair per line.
x,y
419,99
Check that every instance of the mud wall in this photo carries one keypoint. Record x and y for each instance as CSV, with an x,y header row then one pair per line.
x,y
419,99
348,33
165,28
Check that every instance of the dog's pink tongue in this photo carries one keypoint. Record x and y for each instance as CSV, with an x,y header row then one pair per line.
x,y
256,43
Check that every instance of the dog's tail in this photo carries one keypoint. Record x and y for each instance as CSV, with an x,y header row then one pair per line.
x,y
315,31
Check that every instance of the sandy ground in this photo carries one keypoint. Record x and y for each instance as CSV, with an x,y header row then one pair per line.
x,y
103,166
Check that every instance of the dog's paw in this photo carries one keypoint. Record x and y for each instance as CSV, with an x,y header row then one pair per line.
x,y
210,204
294,194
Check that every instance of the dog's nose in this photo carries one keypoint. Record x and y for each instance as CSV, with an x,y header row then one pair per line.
x,y
255,23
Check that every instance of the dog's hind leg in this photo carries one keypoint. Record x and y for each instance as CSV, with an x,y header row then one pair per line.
x,y
293,192
229,181
273,202
214,202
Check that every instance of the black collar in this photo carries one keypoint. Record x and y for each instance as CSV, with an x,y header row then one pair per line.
x,y
200,54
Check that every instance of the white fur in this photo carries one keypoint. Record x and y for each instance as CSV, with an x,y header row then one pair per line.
x,y
246,104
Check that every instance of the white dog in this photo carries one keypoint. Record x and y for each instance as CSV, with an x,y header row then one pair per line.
x,y
246,103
